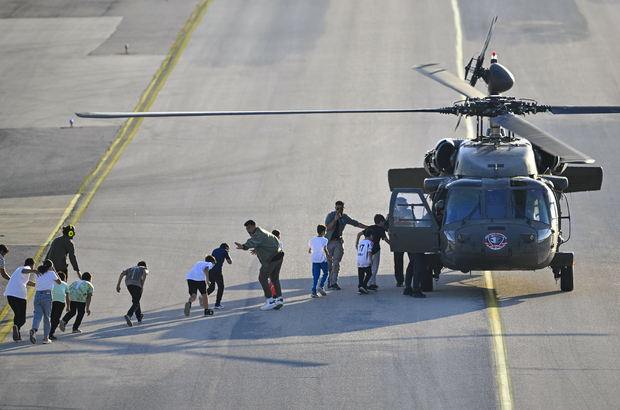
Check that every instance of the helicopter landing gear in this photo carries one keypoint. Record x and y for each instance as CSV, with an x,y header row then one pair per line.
x,y
566,279
565,276
426,284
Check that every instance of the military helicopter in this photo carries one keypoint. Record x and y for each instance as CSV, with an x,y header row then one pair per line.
x,y
495,200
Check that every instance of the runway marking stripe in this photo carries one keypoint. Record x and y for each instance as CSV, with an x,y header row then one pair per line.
x,y
497,330
127,134
499,343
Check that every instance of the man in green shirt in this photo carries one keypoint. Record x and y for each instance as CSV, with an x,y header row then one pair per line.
x,y
270,255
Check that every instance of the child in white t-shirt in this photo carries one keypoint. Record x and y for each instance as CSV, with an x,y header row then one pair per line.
x,y
320,256
364,261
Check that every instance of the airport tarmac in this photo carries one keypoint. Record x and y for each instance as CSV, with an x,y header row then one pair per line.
x,y
174,189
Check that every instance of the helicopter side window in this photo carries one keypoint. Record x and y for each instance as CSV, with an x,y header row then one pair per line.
x,y
495,204
530,204
409,211
463,204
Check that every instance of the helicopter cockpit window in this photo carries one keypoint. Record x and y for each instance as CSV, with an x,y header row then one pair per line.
x,y
409,211
496,204
463,204
530,204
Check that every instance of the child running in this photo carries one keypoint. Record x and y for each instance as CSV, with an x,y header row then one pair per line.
x,y
319,258
364,262
197,281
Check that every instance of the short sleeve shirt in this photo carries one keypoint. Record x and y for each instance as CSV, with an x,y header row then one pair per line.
x,y
79,289
59,292
17,284
378,233
317,244
220,256
198,271
363,259
134,275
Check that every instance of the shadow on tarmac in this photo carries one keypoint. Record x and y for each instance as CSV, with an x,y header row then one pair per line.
x,y
241,320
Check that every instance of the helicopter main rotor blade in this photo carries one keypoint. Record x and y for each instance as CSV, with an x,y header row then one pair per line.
x,y
583,109
231,113
477,71
441,75
541,139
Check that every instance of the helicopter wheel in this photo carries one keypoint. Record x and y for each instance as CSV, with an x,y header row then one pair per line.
x,y
426,284
566,279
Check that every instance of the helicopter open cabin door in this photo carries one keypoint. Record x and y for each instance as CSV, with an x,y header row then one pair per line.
x,y
411,223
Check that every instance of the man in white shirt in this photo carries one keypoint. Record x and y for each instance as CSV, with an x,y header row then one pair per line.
x,y
17,294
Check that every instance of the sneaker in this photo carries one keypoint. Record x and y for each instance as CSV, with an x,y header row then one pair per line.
x,y
373,287
269,304
46,341
363,290
279,303
408,292
139,318
15,334
33,338
128,319
77,331
188,306
51,337
335,287
62,325
208,312
321,291
220,306
314,295
418,295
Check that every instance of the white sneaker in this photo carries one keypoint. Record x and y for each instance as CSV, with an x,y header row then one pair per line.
x,y
321,291
220,306
269,304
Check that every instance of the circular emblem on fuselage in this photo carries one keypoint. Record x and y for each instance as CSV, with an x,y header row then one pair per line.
x,y
495,241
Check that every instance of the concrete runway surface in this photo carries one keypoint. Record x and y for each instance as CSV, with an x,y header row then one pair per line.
x,y
183,186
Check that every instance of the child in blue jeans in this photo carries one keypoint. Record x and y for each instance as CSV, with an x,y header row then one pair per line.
x,y
318,250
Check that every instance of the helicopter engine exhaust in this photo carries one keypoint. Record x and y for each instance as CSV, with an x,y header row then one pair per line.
x,y
440,160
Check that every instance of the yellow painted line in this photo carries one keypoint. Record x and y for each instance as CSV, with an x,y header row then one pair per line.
x,y
126,135
499,344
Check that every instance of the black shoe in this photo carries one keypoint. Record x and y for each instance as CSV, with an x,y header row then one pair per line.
x,y
418,295
400,285
362,290
16,337
335,287
373,287
408,292
208,312
52,337
139,318
33,338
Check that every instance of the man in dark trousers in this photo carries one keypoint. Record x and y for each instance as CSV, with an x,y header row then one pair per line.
x,y
335,223
215,274
270,255
134,280
60,248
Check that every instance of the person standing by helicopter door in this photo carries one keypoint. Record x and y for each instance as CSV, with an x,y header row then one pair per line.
x,y
335,223
60,248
